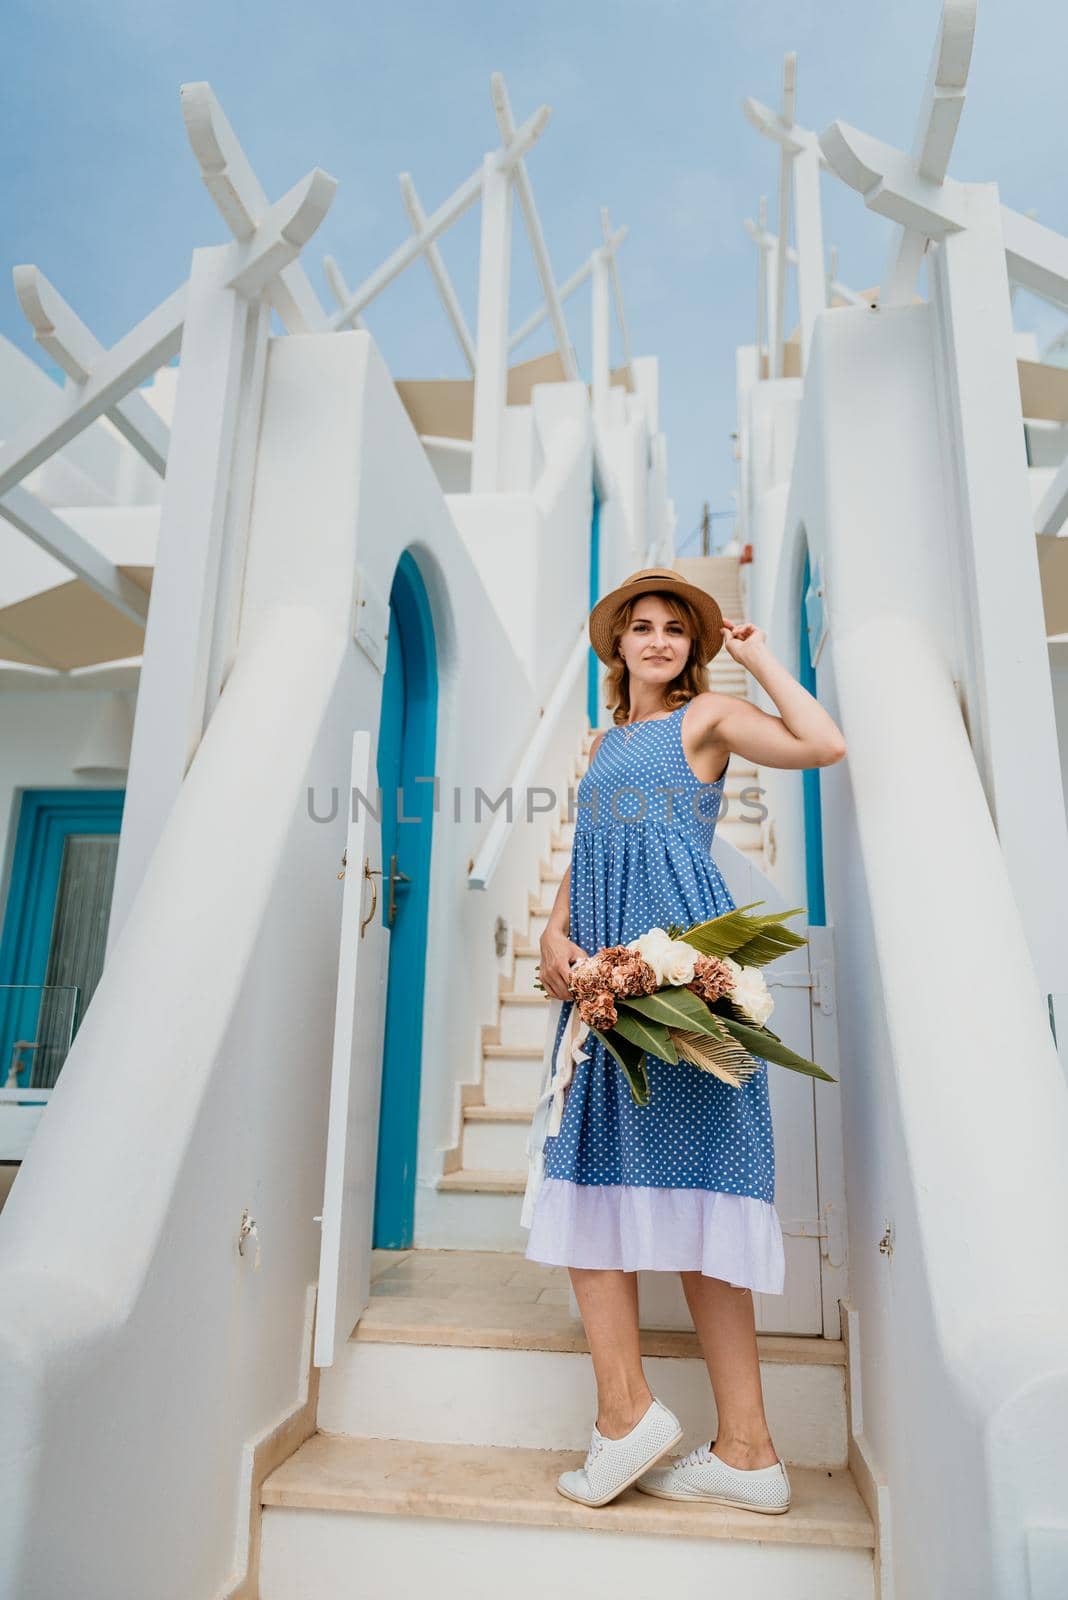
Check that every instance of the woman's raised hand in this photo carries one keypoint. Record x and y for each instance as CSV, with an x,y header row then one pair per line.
x,y
743,640
558,956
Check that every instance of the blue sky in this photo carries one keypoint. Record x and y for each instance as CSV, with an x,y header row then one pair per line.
x,y
103,194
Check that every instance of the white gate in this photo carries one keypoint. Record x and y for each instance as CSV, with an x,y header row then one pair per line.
x,y
355,1080
805,1113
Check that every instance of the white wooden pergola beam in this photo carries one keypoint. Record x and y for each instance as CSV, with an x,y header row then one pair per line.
x,y
844,292
766,241
506,123
786,172
1036,256
62,334
566,290
758,232
440,441
772,125
1052,509
281,234
891,186
446,214
617,291
58,539
438,270
147,347
936,130
944,92
340,289
800,162
240,199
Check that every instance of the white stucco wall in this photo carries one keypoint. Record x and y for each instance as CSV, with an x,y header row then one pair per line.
x,y
955,1109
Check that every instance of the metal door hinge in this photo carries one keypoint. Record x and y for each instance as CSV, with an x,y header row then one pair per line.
x,y
818,980
827,1228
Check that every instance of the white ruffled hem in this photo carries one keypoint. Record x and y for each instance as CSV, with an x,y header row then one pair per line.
x,y
632,1228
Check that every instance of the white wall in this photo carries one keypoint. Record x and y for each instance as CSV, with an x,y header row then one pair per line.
x,y
955,1107
140,1351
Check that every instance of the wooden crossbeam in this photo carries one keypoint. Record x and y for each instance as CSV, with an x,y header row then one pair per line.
x,y
446,214
57,538
617,291
148,346
438,271
240,199
566,290
891,185
936,130
340,289
800,162
506,123
62,334
281,234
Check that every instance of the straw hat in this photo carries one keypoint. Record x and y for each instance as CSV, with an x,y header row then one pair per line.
x,y
644,582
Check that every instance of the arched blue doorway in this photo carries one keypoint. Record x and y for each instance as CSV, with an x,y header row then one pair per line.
x,y
406,750
593,664
810,627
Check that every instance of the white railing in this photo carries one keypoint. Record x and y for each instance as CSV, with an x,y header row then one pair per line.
x,y
485,864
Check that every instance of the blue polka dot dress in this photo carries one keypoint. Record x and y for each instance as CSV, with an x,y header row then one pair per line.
x,y
687,1182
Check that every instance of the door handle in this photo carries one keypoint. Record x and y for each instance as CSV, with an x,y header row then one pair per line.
x,y
395,876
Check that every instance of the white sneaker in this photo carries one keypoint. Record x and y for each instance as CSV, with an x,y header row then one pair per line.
x,y
701,1475
613,1464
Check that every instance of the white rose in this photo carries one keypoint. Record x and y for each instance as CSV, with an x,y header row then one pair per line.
x,y
654,947
680,962
750,992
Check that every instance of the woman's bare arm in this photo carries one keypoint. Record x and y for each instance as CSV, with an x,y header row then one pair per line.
x,y
803,735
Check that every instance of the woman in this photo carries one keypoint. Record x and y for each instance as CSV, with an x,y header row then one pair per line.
x,y
685,1183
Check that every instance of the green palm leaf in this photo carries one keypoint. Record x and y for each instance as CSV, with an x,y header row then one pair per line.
x,y
676,1007
751,941
646,1034
632,1061
761,1043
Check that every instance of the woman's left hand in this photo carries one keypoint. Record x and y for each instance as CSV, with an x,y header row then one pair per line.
x,y
744,641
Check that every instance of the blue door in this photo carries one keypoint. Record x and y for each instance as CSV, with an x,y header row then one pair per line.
x,y
811,623
593,665
406,750
55,926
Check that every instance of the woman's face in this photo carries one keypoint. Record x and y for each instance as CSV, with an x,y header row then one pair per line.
x,y
655,644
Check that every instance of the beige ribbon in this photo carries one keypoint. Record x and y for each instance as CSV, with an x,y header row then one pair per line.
x,y
568,1052
549,1111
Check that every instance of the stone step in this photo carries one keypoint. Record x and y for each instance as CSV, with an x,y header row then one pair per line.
x,y
477,1348
402,1514
478,1180
522,1019
526,959
483,1219
495,1137
511,1074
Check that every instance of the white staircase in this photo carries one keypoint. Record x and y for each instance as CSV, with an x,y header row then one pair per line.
x,y
466,1387
490,1161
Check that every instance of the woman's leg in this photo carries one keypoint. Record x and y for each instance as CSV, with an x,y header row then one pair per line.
x,y
726,1326
608,1301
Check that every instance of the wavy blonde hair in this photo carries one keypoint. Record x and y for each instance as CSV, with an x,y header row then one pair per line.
x,y
693,679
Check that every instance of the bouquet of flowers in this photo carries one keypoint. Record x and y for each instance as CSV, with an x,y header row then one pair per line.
x,y
693,994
